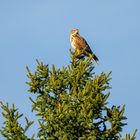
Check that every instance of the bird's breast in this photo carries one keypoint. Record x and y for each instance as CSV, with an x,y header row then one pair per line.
x,y
72,42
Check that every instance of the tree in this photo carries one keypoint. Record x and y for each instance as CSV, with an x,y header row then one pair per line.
x,y
71,104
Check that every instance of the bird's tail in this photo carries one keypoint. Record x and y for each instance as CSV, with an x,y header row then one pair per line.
x,y
95,58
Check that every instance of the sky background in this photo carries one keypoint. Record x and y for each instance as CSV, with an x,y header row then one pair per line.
x,y
35,29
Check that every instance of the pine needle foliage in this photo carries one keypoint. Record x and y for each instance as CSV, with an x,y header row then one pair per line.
x,y
71,104
12,129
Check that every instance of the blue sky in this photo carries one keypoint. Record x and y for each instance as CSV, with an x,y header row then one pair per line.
x,y
40,29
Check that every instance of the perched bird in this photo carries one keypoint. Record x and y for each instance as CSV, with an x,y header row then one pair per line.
x,y
80,44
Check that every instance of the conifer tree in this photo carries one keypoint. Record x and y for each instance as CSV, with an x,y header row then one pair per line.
x,y
71,104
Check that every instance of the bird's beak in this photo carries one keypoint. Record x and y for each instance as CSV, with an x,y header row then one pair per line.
x,y
77,31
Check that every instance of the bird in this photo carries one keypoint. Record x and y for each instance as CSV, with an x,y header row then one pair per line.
x,y
80,44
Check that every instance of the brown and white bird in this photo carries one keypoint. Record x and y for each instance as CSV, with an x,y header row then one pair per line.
x,y
80,44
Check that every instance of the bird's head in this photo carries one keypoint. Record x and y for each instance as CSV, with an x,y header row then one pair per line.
x,y
74,31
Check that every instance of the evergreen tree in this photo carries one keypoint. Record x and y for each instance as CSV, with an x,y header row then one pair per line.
x,y
71,104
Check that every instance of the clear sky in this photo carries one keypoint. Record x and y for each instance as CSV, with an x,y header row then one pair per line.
x,y
33,29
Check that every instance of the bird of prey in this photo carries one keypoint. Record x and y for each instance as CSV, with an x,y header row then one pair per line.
x,y
80,44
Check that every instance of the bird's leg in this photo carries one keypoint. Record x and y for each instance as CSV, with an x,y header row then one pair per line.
x,y
77,54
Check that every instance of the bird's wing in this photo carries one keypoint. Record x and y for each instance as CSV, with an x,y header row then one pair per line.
x,y
82,44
